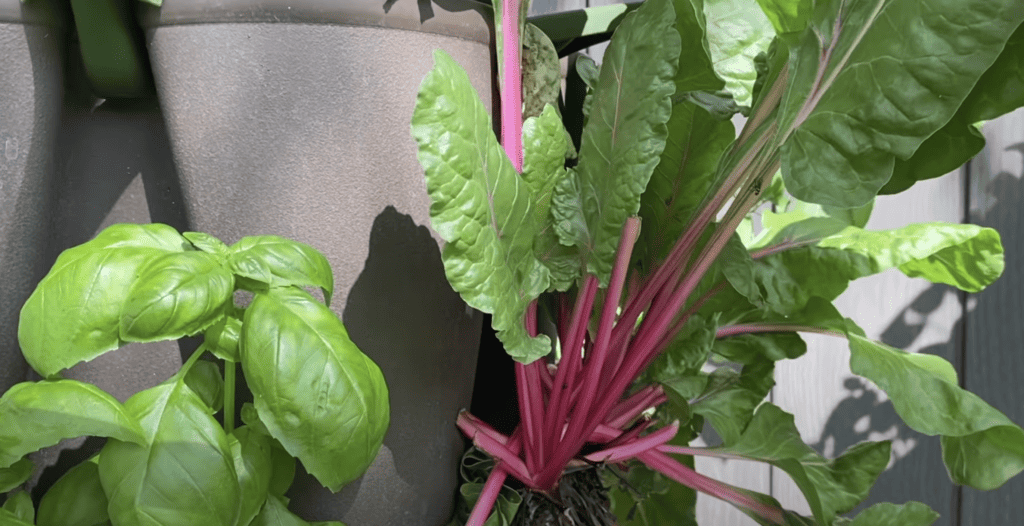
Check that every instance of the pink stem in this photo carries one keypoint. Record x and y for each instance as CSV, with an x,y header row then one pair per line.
x,y
752,328
569,364
635,447
698,452
630,408
470,425
512,90
488,496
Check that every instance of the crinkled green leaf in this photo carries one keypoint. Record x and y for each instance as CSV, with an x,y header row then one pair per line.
x,y
183,475
323,399
480,206
730,397
251,453
625,132
738,31
206,243
888,514
870,80
206,381
541,71
76,498
278,262
15,474
20,505
981,447
74,312
830,486
684,175
40,414
999,91
687,352
275,513
176,295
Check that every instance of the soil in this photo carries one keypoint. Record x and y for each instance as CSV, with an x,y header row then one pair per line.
x,y
580,499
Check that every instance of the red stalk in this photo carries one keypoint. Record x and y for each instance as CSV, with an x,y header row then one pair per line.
x,y
569,365
630,408
489,493
635,447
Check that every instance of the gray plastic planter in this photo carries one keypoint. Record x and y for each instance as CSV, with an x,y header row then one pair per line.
x,y
292,119
31,90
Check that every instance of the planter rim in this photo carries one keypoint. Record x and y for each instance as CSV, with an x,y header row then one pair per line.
x,y
33,12
462,18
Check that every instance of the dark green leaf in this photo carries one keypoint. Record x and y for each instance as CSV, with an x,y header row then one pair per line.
x,y
889,514
323,399
251,453
76,499
283,471
981,447
687,352
278,262
869,81
480,207
41,414
74,312
830,487
184,475
729,400
176,295
625,133
644,497
15,474
696,71
206,381
20,505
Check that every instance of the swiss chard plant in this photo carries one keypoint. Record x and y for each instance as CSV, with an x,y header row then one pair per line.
x,y
618,257
167,460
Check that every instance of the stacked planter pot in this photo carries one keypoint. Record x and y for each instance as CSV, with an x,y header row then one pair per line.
x,y
31,91
292,119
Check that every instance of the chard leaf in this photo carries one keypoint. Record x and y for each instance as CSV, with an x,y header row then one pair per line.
x,y
749,348
279,262
76,498
870,80
687,352
644,497
999,91
730,397
787,16
41,414
480,206
625,133
73,314
182,475
324,400
888,514
830,486
981,447
696,70
738,31
682,178
175,295
15,474
542,73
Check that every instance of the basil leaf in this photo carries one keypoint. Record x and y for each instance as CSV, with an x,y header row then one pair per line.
x,y
206,243
625,133
8,518
16,474
176,295
480,207
41,414
870,80
206,381
275,513
251,453
221,338
20,505
76,498
323,399
74,313
278,262
183,474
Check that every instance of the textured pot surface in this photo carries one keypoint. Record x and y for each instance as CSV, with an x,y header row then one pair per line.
x,y
31,90
300,128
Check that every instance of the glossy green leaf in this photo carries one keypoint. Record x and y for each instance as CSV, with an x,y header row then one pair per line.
x,y
176,295
206,380
278,262
683,177
8,518
870,80
41,414
830,486
696,72
183,475
76,498
787,16
541,71
15,474
20,505
251,453
480,207
738,32
275,513
283,469
474,468
626,131
729,400
323,399
687,352
221,338
74,312
999,91
206,243
981,447
888,514
647,498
